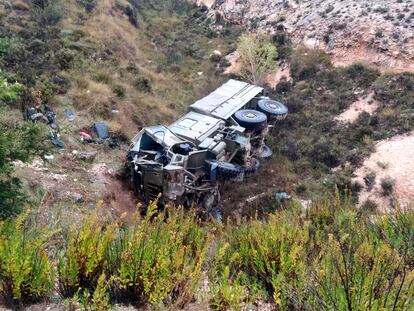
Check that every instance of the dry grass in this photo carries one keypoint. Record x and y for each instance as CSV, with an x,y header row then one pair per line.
x,y
97,98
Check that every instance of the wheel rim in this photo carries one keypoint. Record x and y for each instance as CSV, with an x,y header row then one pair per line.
x,y
250,115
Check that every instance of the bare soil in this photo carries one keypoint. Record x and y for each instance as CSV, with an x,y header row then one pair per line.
x,y
393,158
364,104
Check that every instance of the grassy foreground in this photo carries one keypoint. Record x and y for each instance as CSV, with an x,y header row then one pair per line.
x,y
329,257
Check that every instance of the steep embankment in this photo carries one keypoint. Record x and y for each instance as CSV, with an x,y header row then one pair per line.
x,y
374,32
126,63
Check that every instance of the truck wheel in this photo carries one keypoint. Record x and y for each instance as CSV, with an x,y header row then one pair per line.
x,y
272,108
225,170
250,119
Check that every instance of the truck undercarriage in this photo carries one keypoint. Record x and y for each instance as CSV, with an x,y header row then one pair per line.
x,y
222,137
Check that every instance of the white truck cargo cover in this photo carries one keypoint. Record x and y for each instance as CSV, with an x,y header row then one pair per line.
x,y
227,99
195,126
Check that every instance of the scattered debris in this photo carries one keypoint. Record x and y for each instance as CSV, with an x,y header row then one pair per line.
x,y
85,137
101,130
70,115
50,157
55,139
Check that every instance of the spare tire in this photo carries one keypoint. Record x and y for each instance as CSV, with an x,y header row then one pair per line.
x,y
250,119
273,108
225,170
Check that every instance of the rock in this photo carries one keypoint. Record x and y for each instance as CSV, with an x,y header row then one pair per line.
x,y
87,156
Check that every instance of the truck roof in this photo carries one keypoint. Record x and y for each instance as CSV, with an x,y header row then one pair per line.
x,y
227,99
195,126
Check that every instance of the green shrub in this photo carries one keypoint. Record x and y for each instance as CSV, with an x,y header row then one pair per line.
x,y
83,259
65,58
358,271
9,92
26,272
361,74
160,261
387,185
19,143
266,258
370,206
369,180
119,90
89,5
8,45
47,14
143,84
395,89
306,63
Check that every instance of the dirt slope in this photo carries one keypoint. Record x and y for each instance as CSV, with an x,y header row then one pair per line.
x,y
378,32
392,159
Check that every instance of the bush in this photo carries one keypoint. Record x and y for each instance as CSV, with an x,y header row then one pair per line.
x,y
143,84
260,260
369,206
387,185
132,13
333,256
9,92
369,180
119,90
26,272
83,259
154,262
64,58
307,63
257,56
47,14
8,45
363,76
159,261
89,5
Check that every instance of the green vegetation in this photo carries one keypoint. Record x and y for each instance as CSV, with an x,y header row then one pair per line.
x,y
257,57
17,143
26,273
9,92
313,142
331,256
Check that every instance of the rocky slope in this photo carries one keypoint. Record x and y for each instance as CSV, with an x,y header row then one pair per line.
x,y
379,32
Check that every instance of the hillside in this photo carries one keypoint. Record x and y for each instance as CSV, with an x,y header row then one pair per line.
x,y
379,33
71,235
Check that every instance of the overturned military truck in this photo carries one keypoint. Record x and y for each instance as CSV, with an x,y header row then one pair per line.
x,y
222,137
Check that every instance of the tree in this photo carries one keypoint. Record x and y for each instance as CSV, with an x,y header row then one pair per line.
x,y
18,143
257,56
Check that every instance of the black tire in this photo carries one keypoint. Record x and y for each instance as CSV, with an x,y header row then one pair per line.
x,y
225,170
250,119
253,168
273,109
